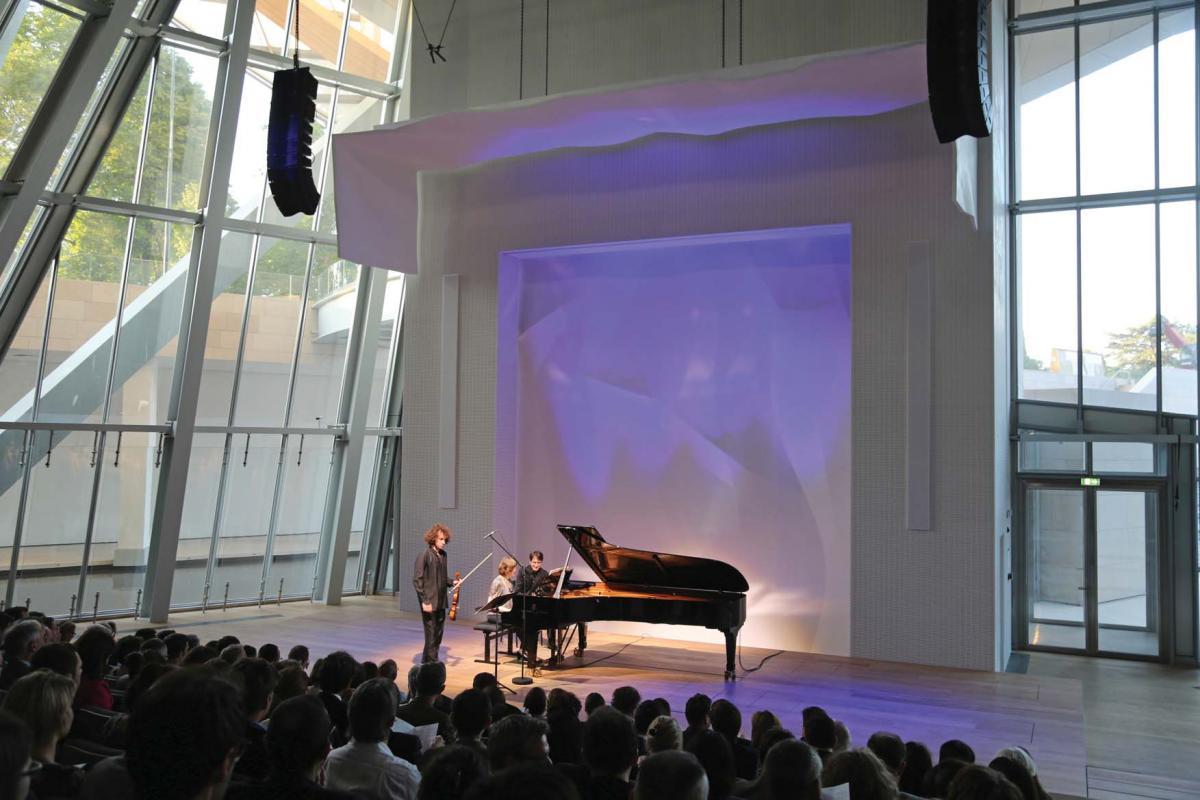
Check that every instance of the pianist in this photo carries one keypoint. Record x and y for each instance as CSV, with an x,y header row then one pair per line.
x,y
502,584
532,575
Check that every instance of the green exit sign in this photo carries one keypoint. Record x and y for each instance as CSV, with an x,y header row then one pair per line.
x,y
1089,481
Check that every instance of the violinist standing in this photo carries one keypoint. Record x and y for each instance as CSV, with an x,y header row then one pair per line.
x,y
431,581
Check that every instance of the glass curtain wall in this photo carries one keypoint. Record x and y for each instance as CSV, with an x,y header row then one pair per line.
x,y
86,385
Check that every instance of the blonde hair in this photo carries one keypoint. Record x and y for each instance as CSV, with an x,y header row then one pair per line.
x,y
663,734
43,700
434,530
506,563
868,777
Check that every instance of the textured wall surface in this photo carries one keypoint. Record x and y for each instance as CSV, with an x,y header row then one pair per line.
x,y
925,596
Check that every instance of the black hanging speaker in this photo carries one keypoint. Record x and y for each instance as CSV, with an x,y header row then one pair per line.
x,y
956,56
289,141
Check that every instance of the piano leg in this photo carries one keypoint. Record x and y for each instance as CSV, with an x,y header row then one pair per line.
x,y
730,654
582,640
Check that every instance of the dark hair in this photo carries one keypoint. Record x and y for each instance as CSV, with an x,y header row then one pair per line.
x,y
937,780
145,633
449,772
890,749
258,680
726,719
182,733
299,653
66,631
431,535
670,773
536,554
298,735
132,663
974,782
292,683
560,699
225,641
389,670
94,646
535,701
610,744
812,711
154,644
696,710
625,699
594,700
713,752
56,657
820,732
482,680
372,709
790,769
528,781
565,736
773,737
198,656
431,679
147,676
178,645
645,713
269,653
512,739
472,713
337,670
917,763
956,749
16,743
250,651
1017,775
125,646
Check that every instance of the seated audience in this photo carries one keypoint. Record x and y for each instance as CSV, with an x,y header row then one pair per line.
x,y
625,699
515,740
94,646
791,769
365,765
42,700
299,654
566,734
917,763
841,737
974,782
663,735
232,653
695,711
293,682
155,645
471,716
178,645
594,700
1021,756
535,703
562,700
481,681
184,738
16,764
420,710
867,776
198,656
609,753
957,750
335,672
938,779
21,642
147,676
60,658
891,751
66,632
1017,775
257,679
269,653
714,754
726,720
450,772
671,775
820,734
527,781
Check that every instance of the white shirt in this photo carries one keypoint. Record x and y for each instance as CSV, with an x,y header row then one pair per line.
x,y
501,585
370,769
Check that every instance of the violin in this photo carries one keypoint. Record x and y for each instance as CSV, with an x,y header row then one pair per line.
x,y
454,598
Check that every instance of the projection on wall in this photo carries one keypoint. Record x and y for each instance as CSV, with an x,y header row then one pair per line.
x,y
688,395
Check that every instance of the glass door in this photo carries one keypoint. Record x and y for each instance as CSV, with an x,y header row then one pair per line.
x,y
1091,569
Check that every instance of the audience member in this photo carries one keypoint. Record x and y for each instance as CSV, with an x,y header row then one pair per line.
x,y
867,776
841,737
292,683
974,782
257,679
16,764
938,779
42,700
609,753
21,642
232,653
60,658
562,700
671,775
147,676
917,763
155,645
1021,756
715,755
695,711
482,680
334,676
430,683
365,764
958,750
527,781
471,716
94,646
185,736
891,751
535,702
791,769
594,700
299,653
645,713
772,738
269,653
178,646
66,632
663,734
625,699
566,735
1017,774
726,720
450,772
199,655
515,740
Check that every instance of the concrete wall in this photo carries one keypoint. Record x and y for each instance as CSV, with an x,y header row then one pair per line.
x,y
920,596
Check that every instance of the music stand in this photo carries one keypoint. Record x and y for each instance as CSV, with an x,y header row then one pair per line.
x,y
522,679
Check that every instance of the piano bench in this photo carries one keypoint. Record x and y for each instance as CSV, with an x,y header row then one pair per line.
x,y
493,632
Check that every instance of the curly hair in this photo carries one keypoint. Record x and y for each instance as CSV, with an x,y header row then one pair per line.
x,y
434,530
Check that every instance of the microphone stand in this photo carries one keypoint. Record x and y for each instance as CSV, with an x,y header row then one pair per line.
x,y
522,679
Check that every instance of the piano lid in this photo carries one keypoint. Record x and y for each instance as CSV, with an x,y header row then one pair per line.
x,y
625,565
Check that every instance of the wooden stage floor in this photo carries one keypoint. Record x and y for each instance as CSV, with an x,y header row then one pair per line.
x,y
1096,729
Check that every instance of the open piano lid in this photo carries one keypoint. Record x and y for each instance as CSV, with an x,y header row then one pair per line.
x,y
624,565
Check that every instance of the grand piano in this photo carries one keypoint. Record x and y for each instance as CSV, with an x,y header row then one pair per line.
x,y
634,586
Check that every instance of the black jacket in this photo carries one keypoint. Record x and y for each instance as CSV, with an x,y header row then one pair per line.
x,y
429,577
528,580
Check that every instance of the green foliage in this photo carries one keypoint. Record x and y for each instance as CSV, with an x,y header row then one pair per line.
x,y
1131,353
38,47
